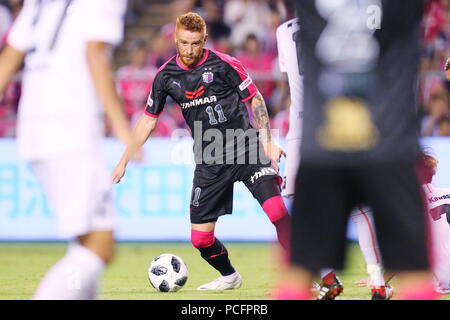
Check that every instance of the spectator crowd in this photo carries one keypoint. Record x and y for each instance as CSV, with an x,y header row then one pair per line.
x,y
245,29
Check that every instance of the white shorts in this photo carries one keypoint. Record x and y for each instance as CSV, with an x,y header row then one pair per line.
x,y
290,170
78,189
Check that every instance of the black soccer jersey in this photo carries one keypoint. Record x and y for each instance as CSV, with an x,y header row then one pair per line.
x,y
210,94
359,81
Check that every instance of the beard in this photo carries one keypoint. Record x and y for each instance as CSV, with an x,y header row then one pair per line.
x,y
187,60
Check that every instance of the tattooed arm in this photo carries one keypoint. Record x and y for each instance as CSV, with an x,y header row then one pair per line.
x,y
263,123
262,117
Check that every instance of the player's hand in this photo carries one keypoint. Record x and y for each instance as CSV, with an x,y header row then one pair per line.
x,y
134,148
118,172
273,151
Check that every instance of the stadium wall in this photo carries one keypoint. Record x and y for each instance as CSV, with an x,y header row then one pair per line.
x,y
153,198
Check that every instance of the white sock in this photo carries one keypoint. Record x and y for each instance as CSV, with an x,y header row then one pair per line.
x,y
376,277
230,277
366,236
75,277
368,245
324,272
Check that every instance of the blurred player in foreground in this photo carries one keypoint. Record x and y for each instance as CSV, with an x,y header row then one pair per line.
x,y
211,88
331,285
359,142
67,78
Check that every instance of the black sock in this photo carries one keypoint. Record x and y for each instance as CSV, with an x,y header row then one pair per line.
x,y
217,256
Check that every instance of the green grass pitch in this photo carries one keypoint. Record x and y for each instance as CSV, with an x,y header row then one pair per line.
x,y
22,265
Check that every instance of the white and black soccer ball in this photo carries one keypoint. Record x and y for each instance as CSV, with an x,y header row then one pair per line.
x,y
167,273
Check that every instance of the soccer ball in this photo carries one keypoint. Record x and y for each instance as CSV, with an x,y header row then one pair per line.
x,y
167,272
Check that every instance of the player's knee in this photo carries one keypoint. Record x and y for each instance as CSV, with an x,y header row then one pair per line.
x,y
100,243
275,208
108,254
105,253
202,239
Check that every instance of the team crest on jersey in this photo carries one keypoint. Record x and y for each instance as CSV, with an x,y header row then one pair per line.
x,y
208,77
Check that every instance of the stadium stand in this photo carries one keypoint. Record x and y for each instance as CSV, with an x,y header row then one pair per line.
x,y
151,23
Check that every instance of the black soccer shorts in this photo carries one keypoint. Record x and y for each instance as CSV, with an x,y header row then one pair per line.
x,y
324,199
212,191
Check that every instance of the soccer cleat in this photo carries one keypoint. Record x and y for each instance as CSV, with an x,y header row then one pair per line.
x,y
221,284
382,292
330,288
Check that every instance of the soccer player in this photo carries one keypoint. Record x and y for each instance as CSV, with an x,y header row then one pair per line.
x,y
211,88
288,63
65,46
359,140
331,286
438,200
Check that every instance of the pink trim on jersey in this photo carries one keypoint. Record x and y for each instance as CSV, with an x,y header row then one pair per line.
x,y
250,96
372,234
205,56
240,70
152,115
163,66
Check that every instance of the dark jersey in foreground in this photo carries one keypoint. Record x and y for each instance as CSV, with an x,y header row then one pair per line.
x,y
211,96
359,81
359,141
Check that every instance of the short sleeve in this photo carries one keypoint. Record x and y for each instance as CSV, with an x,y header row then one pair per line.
x,y
104,20
239,79
19,35
157,97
